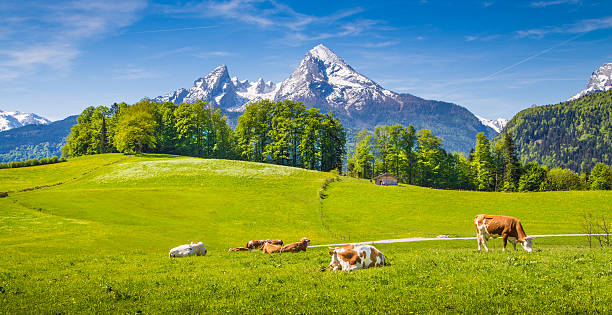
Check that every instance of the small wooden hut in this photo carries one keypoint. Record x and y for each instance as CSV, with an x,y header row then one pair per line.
x,y
386,179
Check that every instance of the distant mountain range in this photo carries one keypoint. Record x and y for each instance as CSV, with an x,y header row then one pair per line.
x,y
497,124
325,81
35,140
600,81
10,120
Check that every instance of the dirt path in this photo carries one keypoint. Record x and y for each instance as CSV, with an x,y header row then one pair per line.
x,y
422,239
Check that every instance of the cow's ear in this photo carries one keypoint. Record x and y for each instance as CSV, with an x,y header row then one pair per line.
x,y
331,252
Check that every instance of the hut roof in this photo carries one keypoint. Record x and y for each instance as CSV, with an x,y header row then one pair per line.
x,y
384,175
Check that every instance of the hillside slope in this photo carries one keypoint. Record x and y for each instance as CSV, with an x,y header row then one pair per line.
x,y
574,134
98,242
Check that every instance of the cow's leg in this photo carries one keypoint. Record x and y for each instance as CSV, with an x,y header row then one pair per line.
x,y
504,241
513,243
484,243
479,240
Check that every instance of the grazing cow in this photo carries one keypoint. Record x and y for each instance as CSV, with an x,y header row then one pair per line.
x,y
351,257
296,247
269,248
257,244
238,249
493,226
192,249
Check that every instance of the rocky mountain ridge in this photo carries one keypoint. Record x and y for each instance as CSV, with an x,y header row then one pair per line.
x,y
600,81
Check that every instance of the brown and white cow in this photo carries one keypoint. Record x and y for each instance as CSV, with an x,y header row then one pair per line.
x,y
269,248
493,226
257,244
352,257
296,247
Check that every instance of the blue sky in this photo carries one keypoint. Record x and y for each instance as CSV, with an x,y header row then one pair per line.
x,y
493,57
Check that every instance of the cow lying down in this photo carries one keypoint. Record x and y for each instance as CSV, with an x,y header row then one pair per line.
x,y
193,249
269,248
258,244
351,257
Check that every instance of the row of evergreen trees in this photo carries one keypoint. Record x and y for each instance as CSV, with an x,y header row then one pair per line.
x,y
31,162
418,158
283,133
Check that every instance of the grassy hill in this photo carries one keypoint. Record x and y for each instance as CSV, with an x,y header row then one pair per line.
x,y
98,242
574,134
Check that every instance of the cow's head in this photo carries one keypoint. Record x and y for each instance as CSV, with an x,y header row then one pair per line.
x,y
305,240
527,244
335,261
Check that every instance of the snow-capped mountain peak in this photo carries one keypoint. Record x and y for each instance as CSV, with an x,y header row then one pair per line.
x,y
601,80
16,119
497,124
324,79
218,88
325,54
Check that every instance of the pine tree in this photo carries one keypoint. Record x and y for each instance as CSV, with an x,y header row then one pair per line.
x,y
512,172
484,163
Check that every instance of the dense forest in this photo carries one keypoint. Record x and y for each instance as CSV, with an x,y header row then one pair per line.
x,y
283,133
575,134
417,158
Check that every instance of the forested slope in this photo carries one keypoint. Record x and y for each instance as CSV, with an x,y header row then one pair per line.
x,y
574,134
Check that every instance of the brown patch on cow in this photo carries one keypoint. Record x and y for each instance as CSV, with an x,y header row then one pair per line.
x,y
296,247
269,248
257,244
374,253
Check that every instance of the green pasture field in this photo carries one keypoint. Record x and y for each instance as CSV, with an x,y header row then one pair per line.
x,y
99,243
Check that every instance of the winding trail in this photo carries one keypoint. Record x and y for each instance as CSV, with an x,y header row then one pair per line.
x,y
422,239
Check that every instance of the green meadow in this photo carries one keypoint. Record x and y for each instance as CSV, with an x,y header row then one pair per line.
x,y
98,241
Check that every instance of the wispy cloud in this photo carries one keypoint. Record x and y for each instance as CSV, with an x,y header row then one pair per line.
x,y
54,38
492,75
213,54
174,29
487,4
484,38
296,27
579,27
132,73
544,4
382,44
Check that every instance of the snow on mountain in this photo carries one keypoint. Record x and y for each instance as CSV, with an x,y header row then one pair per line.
x,y
10,120
601,80
324,79
497,124
218,88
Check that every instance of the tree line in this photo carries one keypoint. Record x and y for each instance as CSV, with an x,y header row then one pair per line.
x,y
283,133
418,158
32,162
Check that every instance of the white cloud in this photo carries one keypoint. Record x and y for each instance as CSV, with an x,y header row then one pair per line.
x,y
54,38
132,73
583,26
484,38
544,4
383,44
269,14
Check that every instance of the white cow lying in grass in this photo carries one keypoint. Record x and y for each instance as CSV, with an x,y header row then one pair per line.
x,y
351,257
192,249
